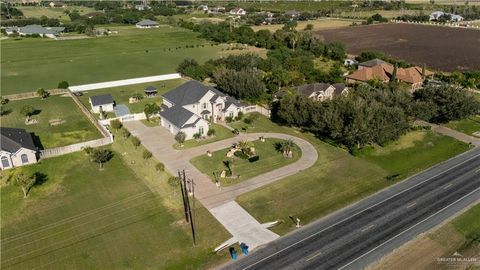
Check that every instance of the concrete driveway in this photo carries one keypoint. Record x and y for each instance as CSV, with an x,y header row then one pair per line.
x,y
221,201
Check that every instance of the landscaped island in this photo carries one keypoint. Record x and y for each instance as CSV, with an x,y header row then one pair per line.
x,y
237,164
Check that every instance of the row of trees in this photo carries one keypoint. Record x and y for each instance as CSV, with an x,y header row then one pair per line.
x,y
374,115
289,62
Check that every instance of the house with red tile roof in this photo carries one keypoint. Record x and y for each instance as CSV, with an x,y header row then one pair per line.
x,y
382,71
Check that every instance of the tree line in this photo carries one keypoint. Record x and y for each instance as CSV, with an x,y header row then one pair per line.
x,y
289,61
374,115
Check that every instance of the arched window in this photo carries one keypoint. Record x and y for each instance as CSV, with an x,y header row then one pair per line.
x,y
24,158
5,162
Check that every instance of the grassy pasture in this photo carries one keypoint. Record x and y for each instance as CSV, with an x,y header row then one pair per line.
x,y
270,159
77,127
317,25
29,63
123,217
338,178
57,13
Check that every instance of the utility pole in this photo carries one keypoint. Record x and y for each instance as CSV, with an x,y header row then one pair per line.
x,y
189,210
183,195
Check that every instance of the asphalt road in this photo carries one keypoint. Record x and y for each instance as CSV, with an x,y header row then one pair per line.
x,y
358,235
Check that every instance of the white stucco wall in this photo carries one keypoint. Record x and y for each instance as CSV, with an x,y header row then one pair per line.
x,y
15,159
105,108
189,131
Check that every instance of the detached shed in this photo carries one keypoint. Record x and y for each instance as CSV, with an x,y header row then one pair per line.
x,y
102,103
150,91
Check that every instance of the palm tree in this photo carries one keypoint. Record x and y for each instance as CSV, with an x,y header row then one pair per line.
x,y
245,147
287,147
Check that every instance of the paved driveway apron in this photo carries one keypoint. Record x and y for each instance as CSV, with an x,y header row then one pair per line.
x,y
221,201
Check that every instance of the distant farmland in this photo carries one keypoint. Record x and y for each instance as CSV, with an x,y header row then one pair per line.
x,y
442,48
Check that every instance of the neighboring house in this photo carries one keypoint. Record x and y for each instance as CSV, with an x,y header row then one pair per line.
x,y
218,9
17,148
191,106
435,16
142,7
238,11
50,32
203,7
382,71
292,13
57,4
102,103
147,24
322,91
31,2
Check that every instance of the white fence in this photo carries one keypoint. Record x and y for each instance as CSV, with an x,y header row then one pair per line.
x,y
125,118
259,109
58,151
452,24
93,86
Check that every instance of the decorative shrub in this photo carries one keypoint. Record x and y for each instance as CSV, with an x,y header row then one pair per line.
x,y
229,119
239,116
248,121
63,85
241,155
236,131
254,159
160,167
211,132
197,135
147,154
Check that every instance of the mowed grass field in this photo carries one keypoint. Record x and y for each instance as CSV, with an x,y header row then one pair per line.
x,y
57,13
123,217
338,178
319,24
468,126
76,128
122,94
270,159
31,63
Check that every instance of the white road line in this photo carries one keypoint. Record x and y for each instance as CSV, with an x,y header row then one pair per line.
x,y
389,240
347,218
313,256
368,227
447,186
411,205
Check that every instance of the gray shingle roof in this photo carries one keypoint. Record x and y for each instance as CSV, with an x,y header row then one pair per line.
x,y
231,100
177,115
339,87
38,29
147,23
189,93
101,100
308,89
372,63
12,139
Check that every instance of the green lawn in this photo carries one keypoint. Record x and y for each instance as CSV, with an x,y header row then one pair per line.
x,y
31,63
77,128
57,13
468,224
467,126
117,218
270,159
338,179
221,133
122,94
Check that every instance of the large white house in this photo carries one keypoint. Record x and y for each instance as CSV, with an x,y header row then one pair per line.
x,y
192,106
17,148
50,32
322,91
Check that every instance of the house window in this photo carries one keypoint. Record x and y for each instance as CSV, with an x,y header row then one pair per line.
x,y
24,158
200,130
5,162
231,114
205,105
